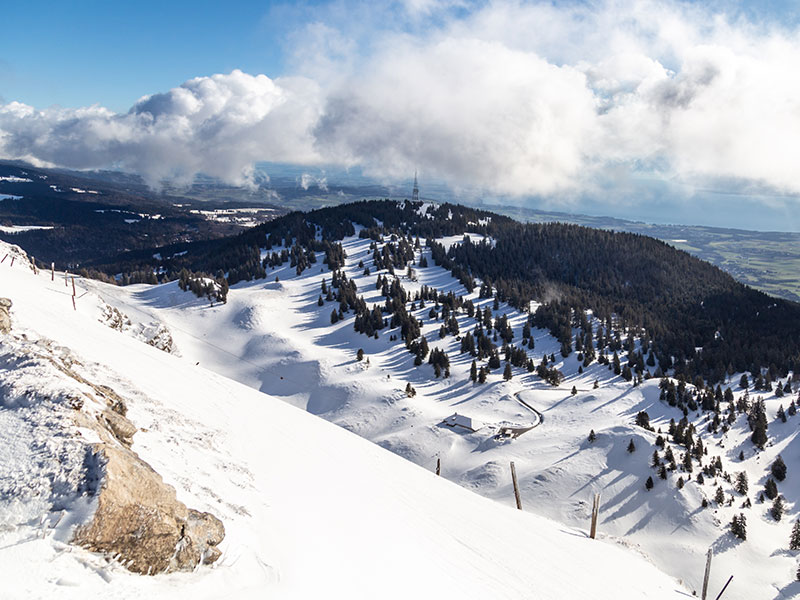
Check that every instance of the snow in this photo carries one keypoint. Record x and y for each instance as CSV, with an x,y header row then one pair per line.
x,y
14,179
475,238
278,341
9,197
310,509
81,191
21,228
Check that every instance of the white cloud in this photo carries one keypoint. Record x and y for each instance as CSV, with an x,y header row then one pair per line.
x,y
216,125
516,98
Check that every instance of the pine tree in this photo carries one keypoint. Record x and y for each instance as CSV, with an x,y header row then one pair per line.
x,y
320,302
739,526
473,372
507,372
794,539
656,461
719,496
662,472
777,508
631,446
360,354
778,469
741,483
648,485
592,436
574,390
680,483
482,375
771,489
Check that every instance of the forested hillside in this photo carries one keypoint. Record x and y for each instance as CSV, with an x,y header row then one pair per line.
x,y
700,320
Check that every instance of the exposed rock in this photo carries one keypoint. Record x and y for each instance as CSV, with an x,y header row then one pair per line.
x,y
5,317
140,521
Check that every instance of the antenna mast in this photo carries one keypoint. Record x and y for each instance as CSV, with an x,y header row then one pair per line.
x,y
415,192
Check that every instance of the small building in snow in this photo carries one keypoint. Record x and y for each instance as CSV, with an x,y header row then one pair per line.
x,y
460,423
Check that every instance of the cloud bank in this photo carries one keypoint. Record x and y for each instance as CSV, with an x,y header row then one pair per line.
x,y
516,98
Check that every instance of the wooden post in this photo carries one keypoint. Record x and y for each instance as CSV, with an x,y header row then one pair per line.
x,y
4,259
52,271
439,466
516,487
12,260
73,286
708,573
73,304
66,283
725,587
595,512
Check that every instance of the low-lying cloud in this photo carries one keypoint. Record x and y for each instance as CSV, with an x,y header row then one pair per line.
x,y
520,99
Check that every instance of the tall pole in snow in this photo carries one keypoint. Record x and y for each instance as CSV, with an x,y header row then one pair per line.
x,y
595,512
52,271
707,574
438,466
516,487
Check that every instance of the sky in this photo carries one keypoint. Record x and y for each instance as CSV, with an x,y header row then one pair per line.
x,y
675,110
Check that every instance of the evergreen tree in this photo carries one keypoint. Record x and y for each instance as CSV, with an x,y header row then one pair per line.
x,y
741,483
777,508
631,446
656,460
778,469
507,372
719,496
574,390
482,375
473,372
771,489
648,485
739,526
592,436
794,539
662,472
360,354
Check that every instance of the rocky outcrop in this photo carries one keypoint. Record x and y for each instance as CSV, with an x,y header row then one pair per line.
x,y
5,317
140,521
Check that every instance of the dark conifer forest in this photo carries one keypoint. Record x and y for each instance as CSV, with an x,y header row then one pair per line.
x,y
696,318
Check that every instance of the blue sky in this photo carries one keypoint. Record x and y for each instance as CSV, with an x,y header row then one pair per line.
x,y
623,107
112,53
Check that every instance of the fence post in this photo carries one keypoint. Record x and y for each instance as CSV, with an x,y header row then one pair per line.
x,y
516,487
707,574
595,512
52,271
439,466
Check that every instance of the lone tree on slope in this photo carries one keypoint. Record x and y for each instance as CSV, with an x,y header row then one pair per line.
x,y
794,539
779,469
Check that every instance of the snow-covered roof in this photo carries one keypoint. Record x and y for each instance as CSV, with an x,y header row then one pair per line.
x,y
457,420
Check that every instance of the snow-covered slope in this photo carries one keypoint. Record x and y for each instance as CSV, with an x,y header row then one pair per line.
x,y
310,510
273,336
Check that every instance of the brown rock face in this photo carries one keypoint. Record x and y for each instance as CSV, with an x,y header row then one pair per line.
x,y
5,318
140,521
